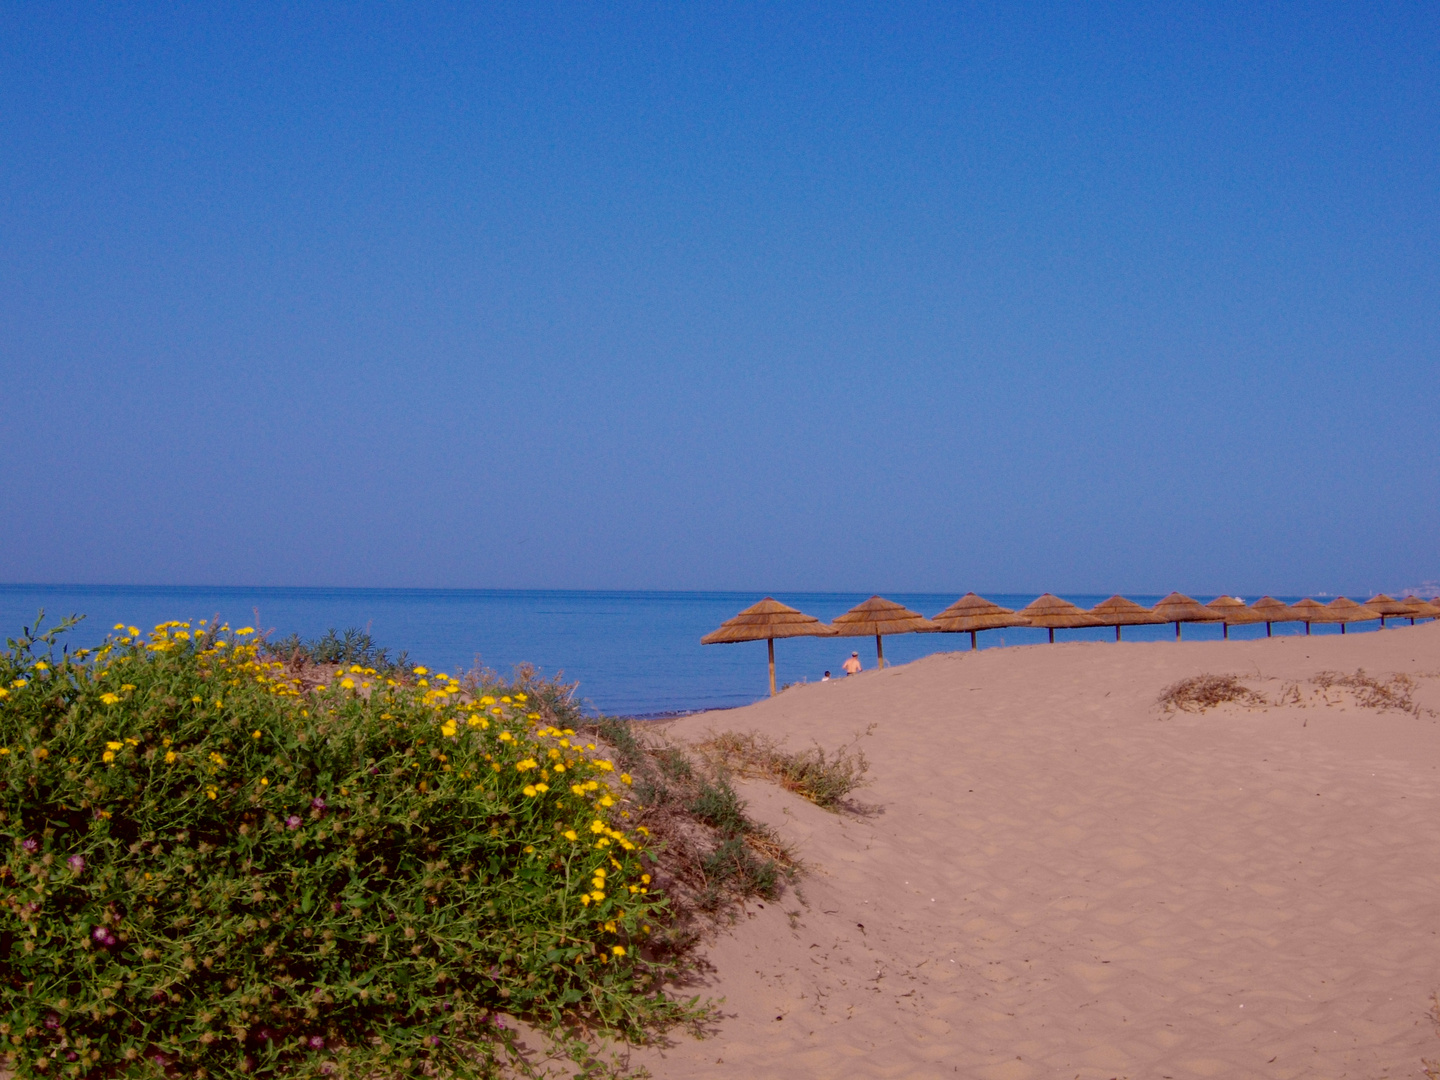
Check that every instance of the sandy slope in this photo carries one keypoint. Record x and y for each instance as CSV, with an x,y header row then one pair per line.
x,y
1055,881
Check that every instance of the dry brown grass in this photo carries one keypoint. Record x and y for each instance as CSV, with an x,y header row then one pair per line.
x,y
1395,692
1201,692
823,778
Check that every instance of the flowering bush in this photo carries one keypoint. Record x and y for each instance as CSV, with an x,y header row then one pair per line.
x,y
208,870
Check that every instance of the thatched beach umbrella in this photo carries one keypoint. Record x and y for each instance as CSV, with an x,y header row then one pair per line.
x,y
1312,611
1118,612
766,621
1271,610
879,616
1235,612
1349,611
1179,608
1055,614
1388,606
1419,609
972,614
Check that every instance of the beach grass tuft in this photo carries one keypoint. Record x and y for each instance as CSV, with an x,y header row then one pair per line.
x,y
1395,692
1201,692
824,778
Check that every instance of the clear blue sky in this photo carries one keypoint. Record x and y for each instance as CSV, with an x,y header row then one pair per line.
x,y
1081,297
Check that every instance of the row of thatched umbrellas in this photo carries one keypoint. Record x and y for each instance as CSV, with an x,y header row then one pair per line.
x,y
770,619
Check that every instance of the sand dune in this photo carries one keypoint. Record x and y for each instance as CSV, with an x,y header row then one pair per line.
x,y
1054,880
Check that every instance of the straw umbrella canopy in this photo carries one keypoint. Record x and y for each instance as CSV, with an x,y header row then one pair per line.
x,y
1312,611
766,621
1349,611
1419,609
1273,611
1118,612
972,614
1055,614
1179,608
1235,611
879,616
1387,606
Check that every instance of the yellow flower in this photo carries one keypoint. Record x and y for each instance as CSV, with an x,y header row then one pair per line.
x,y
42,666
348,684
529,790
118,626
110,699
626,778
597,826
255,734
114,745
597,896
605,765
505,736
264,782
421,671
4,693
521,697
41,754
618,950
244,631
4,750
529,849
126,687
170,757
448,730
20,682
569,834
133,631
585,900
542,787
108,756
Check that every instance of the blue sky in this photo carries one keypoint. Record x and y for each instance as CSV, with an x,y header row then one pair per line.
x,y
1081,297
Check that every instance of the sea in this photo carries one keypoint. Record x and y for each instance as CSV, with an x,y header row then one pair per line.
x,y
635,654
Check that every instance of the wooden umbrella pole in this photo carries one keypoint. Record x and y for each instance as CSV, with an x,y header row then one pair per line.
x,y
1342,628
879,652
1307,629
1225,631
1117,631
973,646
1177,629
771,643
1267,630
1052,635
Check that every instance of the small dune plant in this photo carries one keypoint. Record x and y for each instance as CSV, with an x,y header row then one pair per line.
x,y
211,871
1201,692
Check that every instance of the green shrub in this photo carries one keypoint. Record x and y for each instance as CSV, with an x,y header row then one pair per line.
x,y
208,871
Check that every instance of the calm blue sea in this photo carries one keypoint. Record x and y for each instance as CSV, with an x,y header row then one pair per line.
x,y
633,653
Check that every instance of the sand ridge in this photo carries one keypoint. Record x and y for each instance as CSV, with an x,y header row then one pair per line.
x,y
1053,880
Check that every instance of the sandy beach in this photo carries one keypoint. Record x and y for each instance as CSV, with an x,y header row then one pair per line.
x,y
1047,877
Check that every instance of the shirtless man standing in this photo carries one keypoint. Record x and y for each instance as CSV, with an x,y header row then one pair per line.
x,y
852,666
